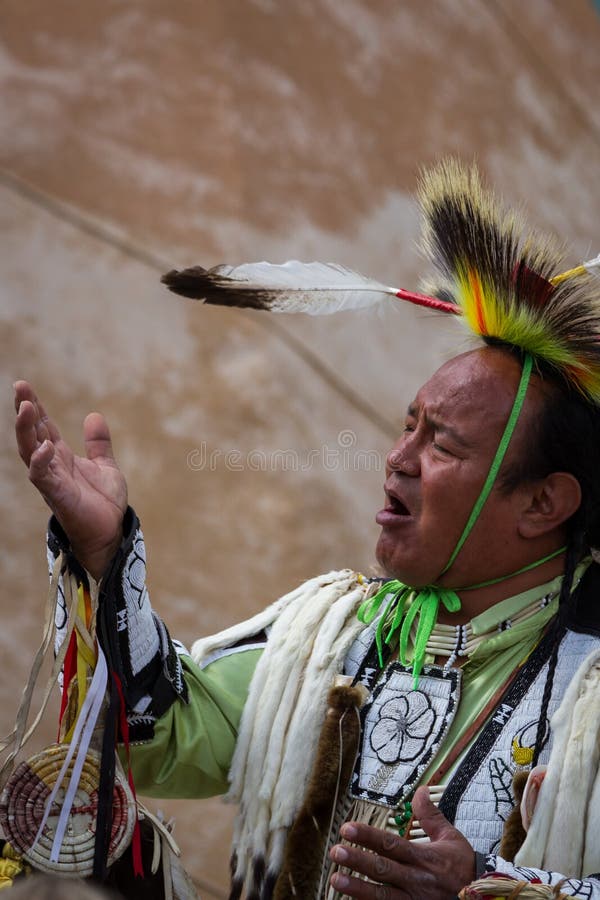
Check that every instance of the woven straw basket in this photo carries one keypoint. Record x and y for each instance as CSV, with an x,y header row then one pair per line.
x,y
23,803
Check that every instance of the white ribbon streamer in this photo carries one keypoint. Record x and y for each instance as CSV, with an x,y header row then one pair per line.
x,y
82,735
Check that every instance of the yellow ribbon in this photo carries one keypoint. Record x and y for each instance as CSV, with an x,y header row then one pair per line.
x,y
11,865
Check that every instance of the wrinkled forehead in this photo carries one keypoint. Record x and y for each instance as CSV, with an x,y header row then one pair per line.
x,y
480,384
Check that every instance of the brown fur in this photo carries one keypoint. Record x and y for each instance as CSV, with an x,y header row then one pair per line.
x,y
514,834
306,843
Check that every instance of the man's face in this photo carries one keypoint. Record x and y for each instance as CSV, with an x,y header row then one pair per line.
x,y
436,469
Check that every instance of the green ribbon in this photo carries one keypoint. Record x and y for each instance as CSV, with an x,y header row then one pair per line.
x,y
398,620
404,604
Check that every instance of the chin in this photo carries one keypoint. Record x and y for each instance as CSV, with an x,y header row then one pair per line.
x,y
395,564
383,556
394,567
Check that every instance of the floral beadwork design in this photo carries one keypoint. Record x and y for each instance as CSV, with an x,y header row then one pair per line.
x,y
405,723
402,730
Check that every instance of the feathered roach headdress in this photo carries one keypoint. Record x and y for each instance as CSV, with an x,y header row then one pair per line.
x,y
502,278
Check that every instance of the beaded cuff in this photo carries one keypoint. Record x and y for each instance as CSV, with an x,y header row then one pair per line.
x,y
135,641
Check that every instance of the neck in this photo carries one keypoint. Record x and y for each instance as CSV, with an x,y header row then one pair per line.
x,y
477,600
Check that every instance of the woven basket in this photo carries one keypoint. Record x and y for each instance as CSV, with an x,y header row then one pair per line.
x,y
23,803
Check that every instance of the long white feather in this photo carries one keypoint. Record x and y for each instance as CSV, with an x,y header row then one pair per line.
x,y
314,288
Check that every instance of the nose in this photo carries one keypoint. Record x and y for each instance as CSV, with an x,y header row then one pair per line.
x,y
404,457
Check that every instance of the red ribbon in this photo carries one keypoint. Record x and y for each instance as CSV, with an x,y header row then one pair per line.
x,y
69,672
429,302
136,842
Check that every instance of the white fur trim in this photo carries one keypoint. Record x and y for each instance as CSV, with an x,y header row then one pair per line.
x,y
312,631
566,821
203,646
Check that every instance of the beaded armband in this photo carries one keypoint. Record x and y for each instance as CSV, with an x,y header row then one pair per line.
x,y
134,639
582,888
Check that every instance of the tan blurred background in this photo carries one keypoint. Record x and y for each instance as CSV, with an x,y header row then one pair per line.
x,y
137,136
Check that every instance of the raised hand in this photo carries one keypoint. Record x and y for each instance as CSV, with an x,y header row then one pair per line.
x,y
87,494
398,869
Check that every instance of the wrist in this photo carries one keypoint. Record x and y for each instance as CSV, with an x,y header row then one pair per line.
x,y
97,561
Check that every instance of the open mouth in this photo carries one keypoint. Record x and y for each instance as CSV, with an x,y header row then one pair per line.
x,y
396,506
395,512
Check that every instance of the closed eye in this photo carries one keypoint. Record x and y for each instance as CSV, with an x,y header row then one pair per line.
x,y
441,449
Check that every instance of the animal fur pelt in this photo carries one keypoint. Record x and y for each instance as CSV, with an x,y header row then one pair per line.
x,y
513,833
312,630
563,834
336,754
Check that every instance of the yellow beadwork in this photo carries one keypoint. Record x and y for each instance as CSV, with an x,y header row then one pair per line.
x,y
522,756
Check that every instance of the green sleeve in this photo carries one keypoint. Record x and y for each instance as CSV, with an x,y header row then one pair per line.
x,y
193,743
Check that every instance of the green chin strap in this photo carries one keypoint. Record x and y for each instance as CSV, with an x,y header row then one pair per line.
x,y
396,619
497,460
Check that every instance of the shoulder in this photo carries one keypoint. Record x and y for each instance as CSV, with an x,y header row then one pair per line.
x,y
254,632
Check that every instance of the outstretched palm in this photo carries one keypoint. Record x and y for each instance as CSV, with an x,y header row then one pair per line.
x,y
88,495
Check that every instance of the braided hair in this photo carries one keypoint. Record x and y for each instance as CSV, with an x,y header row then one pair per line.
x,y
564,436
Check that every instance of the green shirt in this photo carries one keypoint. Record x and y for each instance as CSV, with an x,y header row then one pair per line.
x,y
193,743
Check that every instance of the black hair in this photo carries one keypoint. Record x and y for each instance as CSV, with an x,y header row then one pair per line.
x,y
564,436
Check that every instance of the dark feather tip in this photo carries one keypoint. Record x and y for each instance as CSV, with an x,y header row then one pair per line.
x,y
187,282
212,286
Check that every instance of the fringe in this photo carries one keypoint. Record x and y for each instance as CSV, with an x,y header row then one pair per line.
x,y
571,784
357,811
307,842
282,721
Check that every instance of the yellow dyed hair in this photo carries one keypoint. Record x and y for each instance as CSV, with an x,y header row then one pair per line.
x,y
499,273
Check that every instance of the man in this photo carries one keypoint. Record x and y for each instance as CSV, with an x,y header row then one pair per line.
x,y
492,504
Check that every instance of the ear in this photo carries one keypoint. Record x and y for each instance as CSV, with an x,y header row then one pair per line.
x,y
549,503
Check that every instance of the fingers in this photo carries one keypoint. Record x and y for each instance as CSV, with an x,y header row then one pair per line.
x,y
26,431
366,890
34,426
39,463
387,876
380,841
35,448
431,820
403,869
24,391
36,437
387,866
96,435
